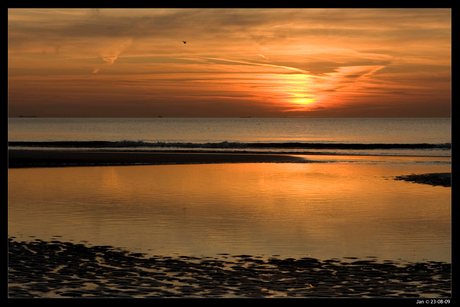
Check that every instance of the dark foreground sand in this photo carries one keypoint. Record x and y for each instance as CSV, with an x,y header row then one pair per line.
x,y
60,269
50,158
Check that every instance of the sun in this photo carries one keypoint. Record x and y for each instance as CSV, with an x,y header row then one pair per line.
x,y
295,89
302,100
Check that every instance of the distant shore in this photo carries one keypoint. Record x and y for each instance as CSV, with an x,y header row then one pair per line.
x,y
59,158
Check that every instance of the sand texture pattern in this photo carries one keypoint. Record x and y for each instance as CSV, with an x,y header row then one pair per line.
x,y
60,269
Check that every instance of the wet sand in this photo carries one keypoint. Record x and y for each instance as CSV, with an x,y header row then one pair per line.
x,y
434,179
61,269
50,158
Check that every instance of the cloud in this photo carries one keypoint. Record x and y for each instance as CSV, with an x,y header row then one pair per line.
x,y
111,53
263,56
270,54
306,32
279,68
348,77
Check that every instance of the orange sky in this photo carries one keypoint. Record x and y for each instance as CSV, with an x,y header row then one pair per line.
x,y
236,62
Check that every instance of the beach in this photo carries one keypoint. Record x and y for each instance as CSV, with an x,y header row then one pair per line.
x,y
62,269
56,267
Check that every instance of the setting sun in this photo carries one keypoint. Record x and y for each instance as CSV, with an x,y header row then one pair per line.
x,y
235,62
303,101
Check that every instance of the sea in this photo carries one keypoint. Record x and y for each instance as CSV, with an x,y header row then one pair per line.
x,y
330,136
342,201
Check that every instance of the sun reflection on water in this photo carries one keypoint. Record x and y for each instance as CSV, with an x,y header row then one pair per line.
x,y
320,209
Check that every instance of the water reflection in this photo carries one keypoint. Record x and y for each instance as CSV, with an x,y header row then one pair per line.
x,y
317,209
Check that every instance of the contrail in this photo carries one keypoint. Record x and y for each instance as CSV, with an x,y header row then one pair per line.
x,y
262,64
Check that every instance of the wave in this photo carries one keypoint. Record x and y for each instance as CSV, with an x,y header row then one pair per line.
x,y
227,145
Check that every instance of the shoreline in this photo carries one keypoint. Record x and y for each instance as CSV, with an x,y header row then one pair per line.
x,y
62,269
18,158
60,158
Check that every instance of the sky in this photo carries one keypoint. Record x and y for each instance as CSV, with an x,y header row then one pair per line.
x,y
235,62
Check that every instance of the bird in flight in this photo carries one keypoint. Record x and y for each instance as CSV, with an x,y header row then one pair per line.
x,y
185,42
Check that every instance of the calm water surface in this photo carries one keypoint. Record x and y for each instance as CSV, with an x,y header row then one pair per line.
x,y
350,207
343,130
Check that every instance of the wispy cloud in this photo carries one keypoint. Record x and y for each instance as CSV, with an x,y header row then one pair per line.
x,y
332,54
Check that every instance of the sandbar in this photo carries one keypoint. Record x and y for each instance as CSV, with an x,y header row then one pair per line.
x,y
434,179
60,158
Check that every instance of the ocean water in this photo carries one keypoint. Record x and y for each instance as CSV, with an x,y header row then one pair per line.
x,y
349,206
356,136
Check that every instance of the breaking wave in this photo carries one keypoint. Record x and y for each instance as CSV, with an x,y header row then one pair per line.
x,y
264,147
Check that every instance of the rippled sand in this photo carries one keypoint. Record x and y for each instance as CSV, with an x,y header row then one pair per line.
x,y
61,269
